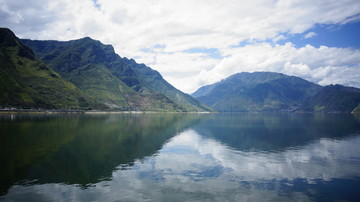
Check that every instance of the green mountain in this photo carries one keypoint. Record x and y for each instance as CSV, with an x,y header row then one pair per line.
x,y
268,91
335,98
259,91
118,82
26,81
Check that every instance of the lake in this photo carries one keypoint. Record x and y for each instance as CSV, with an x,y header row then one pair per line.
x,y
180,157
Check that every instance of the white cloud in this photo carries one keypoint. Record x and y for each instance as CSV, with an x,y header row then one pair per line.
x,y
134,25
310,35
322,65
279,38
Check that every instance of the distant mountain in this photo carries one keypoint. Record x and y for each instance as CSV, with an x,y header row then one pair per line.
x,y
335,98
118,82
269,91
27,82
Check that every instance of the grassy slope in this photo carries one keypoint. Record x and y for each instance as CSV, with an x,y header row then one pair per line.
x,y
27,82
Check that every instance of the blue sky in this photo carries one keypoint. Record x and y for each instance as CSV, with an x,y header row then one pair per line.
x,y
333,35
342,36
330,35
195,43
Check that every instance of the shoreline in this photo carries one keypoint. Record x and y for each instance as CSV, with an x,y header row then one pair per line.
x,y
78,111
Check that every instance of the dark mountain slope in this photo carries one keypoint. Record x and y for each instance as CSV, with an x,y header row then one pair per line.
x,y
335,98
27,82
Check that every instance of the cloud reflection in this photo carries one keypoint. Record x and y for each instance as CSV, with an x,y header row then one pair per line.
x,y
193,167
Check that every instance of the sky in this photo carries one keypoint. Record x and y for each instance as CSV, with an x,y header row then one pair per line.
x,y
195,43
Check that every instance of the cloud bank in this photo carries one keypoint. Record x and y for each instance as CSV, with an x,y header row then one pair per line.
x,y
321,65
193,43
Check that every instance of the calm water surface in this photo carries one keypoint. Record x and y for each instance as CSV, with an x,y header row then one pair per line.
x,y
180,157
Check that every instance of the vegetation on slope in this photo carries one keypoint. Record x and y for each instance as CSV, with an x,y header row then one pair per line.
x,y
27,82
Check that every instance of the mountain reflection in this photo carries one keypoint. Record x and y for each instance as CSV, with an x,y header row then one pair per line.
x,y
212,157
275,131
80,149
191,167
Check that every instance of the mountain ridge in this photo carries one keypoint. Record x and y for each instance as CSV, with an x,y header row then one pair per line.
x,y
88,61
87,74
270,91
90,70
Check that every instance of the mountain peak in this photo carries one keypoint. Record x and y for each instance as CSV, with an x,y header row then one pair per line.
x,y
270,91
257,91
28,82
242,79
87,38
7,37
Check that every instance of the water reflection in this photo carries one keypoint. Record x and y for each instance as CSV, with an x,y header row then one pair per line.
x,y
209,157
276,131
80,149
